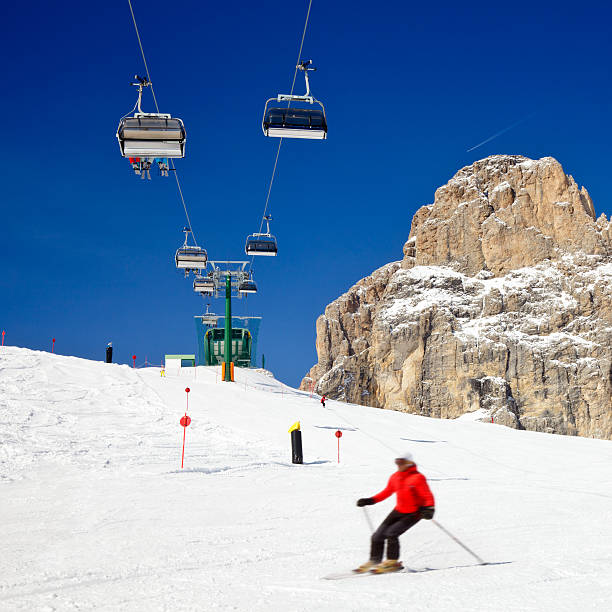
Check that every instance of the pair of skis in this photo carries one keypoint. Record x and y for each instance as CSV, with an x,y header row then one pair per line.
x,y
406,570
354,574
342,575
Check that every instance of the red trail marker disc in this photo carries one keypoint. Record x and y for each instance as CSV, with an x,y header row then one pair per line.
x,y
338,435
185,420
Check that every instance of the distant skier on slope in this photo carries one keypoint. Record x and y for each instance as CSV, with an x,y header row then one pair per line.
x,y
323,401
415,501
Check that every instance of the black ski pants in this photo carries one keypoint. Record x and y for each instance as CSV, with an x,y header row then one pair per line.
x,y
390,529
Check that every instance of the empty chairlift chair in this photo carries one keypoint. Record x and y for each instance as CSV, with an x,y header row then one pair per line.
x,y
247,286
150,136
295,122
262,244
190,258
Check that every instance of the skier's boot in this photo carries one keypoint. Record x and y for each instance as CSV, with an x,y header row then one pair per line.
x,y
365,567
390,565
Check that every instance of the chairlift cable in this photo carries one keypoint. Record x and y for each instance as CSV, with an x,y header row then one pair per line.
x,y
180,190
301,46
280,142
144,59
172,166
292,88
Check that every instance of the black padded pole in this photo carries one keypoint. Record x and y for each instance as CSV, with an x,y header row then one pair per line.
x,y
296,446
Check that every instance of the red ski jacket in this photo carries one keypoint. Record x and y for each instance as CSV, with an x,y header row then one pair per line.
x,y
412,490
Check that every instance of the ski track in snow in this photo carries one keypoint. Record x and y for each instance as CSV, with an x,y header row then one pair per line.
x,y
97,514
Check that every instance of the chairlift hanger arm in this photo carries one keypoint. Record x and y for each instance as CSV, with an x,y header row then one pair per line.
x,y
305,67
142,82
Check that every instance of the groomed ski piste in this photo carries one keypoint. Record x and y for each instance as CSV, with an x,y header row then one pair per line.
x,y
96,513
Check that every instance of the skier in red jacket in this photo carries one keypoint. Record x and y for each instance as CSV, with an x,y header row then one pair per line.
x,y
415,501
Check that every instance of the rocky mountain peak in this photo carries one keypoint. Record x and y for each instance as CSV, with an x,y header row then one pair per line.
x,y
501,306
503,213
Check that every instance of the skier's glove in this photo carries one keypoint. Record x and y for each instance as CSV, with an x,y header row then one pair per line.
x,y
427,512
365,501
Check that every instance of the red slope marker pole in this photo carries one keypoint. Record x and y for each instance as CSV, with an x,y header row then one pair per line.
x,y
134,360
53,345
338,435
3,332
184,423
185,420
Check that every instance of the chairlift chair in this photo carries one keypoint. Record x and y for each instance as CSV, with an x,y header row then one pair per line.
x,y
150,135
209,318
203,284
190,257
262,244
247,286
295,122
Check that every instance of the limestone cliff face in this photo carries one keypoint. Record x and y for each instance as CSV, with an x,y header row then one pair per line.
x,y
502,303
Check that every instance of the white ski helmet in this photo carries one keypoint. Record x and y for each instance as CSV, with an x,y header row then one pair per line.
x,y
407,456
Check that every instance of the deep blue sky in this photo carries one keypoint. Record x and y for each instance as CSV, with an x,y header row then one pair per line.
x,y
87,247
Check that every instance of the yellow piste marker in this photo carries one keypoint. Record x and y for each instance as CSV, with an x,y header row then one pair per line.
x,y
295,427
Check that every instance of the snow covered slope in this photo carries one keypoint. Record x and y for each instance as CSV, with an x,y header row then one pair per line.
x,y
96,513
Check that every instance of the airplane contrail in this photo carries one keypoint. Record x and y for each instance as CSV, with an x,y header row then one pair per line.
x,y
501,132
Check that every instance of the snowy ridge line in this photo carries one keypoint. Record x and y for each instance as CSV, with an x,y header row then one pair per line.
x,y
275,386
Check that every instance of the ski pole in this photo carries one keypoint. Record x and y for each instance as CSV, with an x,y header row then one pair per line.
x,y
450,535
368,519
